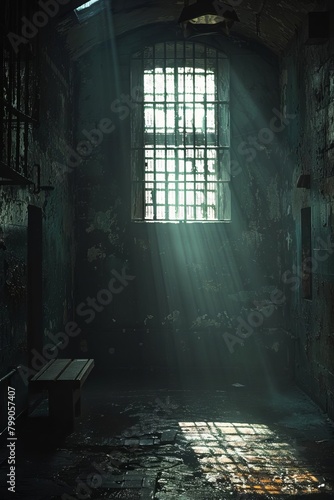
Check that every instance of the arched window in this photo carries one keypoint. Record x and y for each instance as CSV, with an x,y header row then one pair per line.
x,y
180,134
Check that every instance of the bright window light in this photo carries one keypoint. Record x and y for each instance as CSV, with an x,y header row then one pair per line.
x,y
186,188
180,134
87,4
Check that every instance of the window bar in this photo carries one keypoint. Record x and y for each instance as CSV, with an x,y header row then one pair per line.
x,y
36,59
194,136
18,106
9,110
176,118
205,138
165,104
184,134
2,105
141,145
217,133
27,70
154,192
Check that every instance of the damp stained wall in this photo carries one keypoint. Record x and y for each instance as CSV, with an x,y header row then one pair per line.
x,y
307,77
193,282
47,147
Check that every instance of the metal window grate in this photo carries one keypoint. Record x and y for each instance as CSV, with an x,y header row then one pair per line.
x,y
180,134
19,72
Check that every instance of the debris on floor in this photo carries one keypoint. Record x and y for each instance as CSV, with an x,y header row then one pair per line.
x,y
169,445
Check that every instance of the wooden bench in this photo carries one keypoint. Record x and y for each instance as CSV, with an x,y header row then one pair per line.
x,y
63,379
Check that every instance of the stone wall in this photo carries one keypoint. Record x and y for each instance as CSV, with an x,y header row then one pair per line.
x,y
308,92
47,148
194,283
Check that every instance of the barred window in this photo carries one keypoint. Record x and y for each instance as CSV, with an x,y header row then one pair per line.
x,y
180,134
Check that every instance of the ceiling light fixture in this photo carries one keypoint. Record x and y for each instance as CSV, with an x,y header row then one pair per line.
x,y
208,12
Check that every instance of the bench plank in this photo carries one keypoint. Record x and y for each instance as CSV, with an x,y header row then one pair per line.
x,y
42,370
86,371
76,370
53,372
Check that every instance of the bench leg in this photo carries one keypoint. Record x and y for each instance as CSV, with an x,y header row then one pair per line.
x,y
61,406
77,402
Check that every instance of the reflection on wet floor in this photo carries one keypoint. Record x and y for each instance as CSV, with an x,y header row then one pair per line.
x,y
251,456
152,444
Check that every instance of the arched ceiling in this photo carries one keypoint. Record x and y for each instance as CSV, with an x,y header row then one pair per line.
x,y
270,22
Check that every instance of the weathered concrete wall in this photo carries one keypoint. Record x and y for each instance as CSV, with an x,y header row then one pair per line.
x,y
308,93
192,282
46,148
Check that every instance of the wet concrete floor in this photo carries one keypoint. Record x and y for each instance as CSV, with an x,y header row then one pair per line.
x,y
139,441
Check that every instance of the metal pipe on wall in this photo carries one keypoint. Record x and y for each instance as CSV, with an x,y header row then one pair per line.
x,y
9,374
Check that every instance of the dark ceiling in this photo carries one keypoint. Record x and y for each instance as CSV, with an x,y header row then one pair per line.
x,y
271,22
